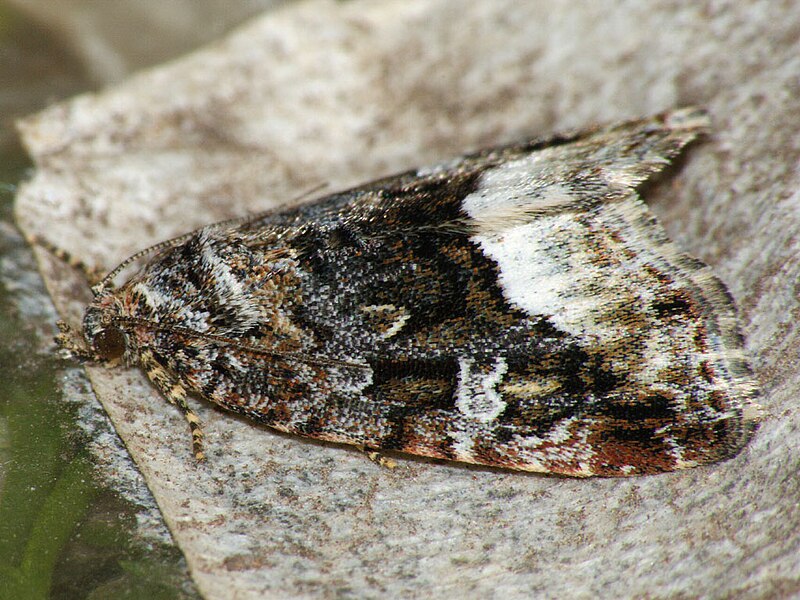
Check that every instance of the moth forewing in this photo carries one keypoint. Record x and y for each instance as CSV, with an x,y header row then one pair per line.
x,y
519,307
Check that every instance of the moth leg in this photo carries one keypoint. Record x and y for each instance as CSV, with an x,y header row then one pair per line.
x,y
175,394
378,458
92,273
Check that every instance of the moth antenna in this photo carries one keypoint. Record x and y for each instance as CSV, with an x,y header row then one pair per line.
x,y
244,347
247,219
91,272
105,282
312,190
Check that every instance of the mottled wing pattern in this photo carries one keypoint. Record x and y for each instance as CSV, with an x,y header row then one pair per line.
x,y
519,307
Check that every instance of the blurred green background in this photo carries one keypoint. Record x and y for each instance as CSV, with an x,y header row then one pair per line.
x,y
76,520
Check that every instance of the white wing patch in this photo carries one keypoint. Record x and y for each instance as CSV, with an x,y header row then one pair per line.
x,y
476,395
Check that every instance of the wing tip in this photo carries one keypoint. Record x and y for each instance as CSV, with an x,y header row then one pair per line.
x,y
689,118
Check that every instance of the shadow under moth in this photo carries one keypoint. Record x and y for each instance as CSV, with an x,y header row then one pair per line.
x,y
518,307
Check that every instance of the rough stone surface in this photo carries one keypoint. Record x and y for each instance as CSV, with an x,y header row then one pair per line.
x,y
337,93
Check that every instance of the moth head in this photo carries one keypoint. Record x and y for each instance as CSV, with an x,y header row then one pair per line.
x,y
106,339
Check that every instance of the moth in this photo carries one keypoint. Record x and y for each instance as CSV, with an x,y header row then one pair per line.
x,y
518,307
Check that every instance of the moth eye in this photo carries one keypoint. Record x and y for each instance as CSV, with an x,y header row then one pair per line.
x,y
109,343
